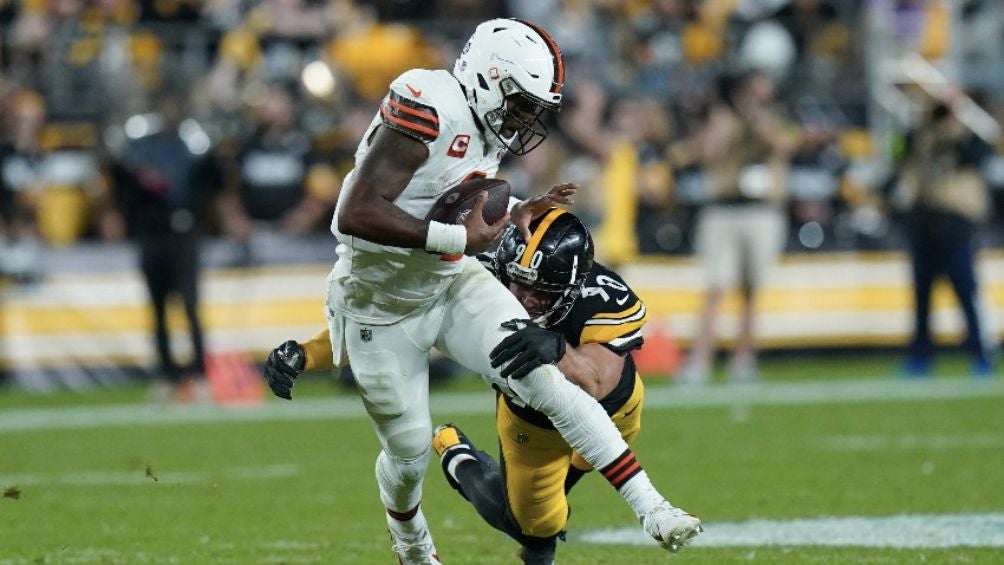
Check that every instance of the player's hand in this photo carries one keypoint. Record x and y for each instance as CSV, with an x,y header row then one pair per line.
x,y
480,234
282,366
531,208
528,347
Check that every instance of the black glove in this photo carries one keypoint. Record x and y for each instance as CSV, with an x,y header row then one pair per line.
x,y
282,365
528,348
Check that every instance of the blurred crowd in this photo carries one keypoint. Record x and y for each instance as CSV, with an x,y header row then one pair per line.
x,y
237,118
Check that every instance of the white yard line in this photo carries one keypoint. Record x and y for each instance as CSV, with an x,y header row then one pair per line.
x,y
140,476
905,531
913,441
656,397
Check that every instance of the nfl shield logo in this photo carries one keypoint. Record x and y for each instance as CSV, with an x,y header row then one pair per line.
x,y
365,334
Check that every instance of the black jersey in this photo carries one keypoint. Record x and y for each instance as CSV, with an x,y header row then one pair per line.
x,y
607,312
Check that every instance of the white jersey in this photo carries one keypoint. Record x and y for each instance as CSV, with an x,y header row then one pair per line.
x,y
380,284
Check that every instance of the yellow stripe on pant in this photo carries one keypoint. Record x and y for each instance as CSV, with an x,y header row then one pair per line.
x,y
536,462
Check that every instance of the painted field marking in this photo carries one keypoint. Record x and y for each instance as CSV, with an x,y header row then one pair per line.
x,y
907,531
140,477
912,441
656,397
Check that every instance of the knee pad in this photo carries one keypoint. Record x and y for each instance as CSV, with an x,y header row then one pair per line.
x,y
405,437
400,479
402,471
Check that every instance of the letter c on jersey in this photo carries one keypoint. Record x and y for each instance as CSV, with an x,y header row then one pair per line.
x,y
458,148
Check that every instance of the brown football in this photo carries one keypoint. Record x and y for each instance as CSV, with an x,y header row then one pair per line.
x,y
454,205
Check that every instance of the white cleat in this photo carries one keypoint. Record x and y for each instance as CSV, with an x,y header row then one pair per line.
x,y
671,527
417,551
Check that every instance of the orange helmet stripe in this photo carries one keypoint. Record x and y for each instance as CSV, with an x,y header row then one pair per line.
x,y
559,63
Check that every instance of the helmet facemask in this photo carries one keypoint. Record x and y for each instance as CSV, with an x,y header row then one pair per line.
x,y
521,111
560,297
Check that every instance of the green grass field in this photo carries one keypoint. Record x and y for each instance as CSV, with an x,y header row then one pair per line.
x,y
294,483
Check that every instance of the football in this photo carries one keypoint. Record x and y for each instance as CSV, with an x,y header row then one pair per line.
x,y
454,205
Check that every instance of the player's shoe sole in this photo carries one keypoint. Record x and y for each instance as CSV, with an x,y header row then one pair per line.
x,y
671,527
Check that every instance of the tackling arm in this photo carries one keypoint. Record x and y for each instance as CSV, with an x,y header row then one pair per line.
x,y
593,367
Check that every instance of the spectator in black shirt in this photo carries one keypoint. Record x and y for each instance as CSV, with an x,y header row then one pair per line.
x,y
162,188
276,184
940,174
21,181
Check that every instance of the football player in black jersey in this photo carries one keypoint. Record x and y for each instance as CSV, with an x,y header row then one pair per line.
x,y
597,319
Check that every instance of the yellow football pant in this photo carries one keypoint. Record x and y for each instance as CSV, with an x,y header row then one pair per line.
x,y
536,462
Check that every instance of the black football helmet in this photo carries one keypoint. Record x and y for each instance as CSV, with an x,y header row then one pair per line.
x,y
554,264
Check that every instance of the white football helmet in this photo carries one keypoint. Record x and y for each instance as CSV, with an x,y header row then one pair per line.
x,y
507,58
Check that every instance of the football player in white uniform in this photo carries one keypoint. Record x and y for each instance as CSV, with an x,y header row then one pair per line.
x,y
402,285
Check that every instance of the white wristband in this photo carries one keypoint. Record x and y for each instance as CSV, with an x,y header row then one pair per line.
x,y
446,238
513,201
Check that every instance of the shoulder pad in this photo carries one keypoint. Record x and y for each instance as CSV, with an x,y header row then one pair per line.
x,y
409,106
612,314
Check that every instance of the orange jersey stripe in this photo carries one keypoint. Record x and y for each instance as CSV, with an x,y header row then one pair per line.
x,y
414,112
410,125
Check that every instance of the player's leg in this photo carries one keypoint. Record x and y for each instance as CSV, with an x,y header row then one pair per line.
x,y
525,501
477,305
717,247
762,230
627,418
187,282
960,262
923,259
535,460
392,377
155,264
